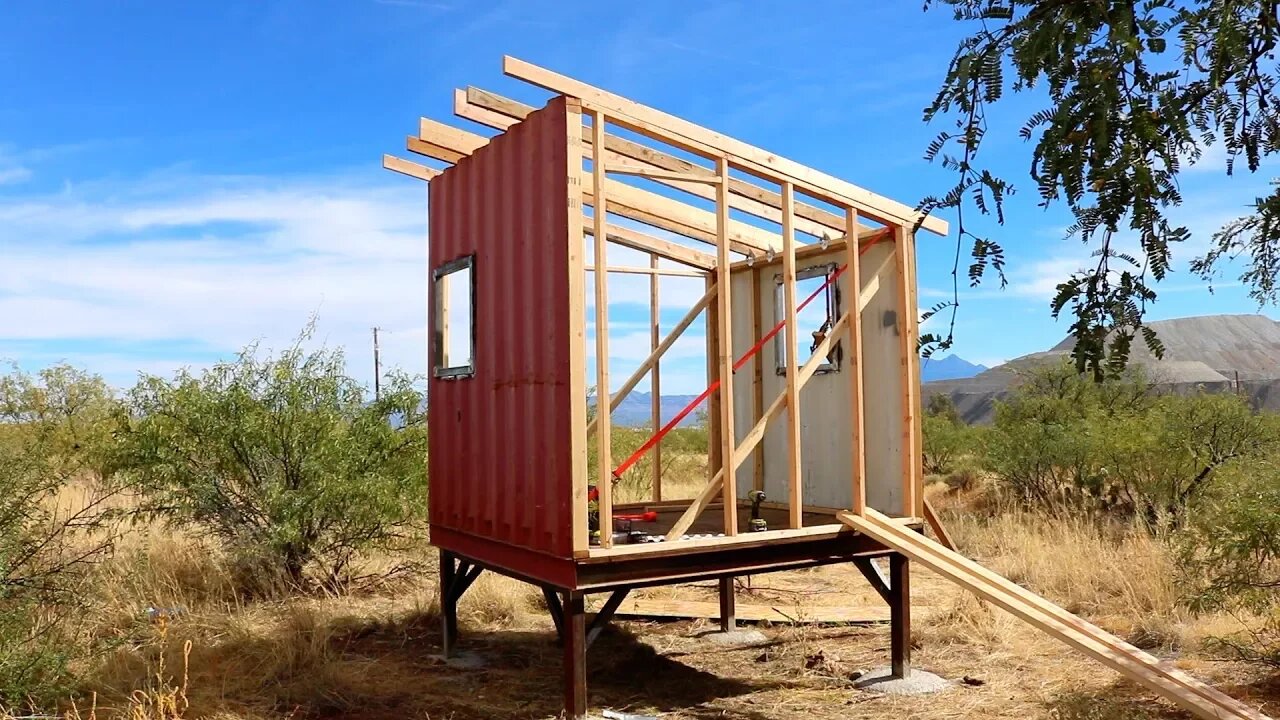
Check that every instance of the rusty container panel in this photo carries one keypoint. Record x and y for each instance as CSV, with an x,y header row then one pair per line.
x,y
499,455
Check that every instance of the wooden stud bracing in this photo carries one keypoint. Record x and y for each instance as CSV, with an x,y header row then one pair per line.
x,y
604,437
757,379
857,446
906,375
577,284
656,354
724,343
795,466
655,379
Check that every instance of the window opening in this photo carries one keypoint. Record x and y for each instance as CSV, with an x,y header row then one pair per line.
x,y
453,318
813,322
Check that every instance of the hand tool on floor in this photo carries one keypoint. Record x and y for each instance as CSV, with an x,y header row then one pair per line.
x,y
757,523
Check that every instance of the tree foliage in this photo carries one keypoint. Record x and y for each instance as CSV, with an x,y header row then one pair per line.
x,y
282,459
1134,90
53,427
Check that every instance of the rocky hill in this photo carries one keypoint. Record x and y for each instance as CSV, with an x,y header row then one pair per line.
x,y
1210,351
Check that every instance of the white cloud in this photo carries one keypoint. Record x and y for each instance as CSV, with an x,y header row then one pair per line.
x,y
187,267
218,264
14,175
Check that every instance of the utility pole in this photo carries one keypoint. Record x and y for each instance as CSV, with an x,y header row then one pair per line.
x,y
377,368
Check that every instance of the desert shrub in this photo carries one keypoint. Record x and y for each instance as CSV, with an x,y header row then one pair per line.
x,y
1177,450
946,440
52,425
1232,556
1042,445
1063,442
282,459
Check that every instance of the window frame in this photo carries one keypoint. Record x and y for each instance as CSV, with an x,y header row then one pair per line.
x,y
832,291
439,329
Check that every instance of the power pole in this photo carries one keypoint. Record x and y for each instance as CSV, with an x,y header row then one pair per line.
x,y
377,368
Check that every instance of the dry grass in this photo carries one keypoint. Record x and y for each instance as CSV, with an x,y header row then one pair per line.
x,y
371,653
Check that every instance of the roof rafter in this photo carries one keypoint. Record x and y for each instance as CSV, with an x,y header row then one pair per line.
x,y
708,143
625,200
488,108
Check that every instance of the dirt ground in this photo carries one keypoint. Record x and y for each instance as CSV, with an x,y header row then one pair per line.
x,y
1001,669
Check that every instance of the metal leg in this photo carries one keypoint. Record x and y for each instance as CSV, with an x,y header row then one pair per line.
x,y
555,606
575,656
728,612
875,576
448,603
900,614
606,613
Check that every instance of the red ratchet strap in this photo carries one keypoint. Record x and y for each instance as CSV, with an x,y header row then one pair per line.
x,y
657,437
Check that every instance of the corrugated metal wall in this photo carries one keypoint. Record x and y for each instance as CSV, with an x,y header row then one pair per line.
x,y
499,440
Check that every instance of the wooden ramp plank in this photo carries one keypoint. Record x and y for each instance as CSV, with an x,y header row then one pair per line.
x,y
1175,685
775,613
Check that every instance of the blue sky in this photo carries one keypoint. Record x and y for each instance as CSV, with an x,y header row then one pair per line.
x,y
178,180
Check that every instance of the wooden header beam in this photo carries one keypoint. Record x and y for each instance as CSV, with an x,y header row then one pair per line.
x,y
698,139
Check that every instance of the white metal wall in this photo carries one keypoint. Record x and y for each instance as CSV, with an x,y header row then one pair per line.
x,y
824,402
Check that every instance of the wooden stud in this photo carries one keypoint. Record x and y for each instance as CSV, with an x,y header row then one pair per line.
x,y
906,377
672,272
652,174
795,468
866,238
757,378
499,112
442,321
857,446
675,216
412,169
604,436
694,138
637,240
714,456
655,379
667,342
577,286
917,411
725,320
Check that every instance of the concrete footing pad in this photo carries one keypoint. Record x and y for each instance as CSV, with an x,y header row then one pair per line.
x,y
919,682
736,637
462,660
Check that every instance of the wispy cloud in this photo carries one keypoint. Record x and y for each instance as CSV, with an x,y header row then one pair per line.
x,y
13,175
213,263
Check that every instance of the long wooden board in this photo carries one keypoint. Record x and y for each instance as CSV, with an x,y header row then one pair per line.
x,y
1141,667
774,613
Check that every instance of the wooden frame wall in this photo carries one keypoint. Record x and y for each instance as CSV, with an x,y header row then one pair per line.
x,y
614,159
